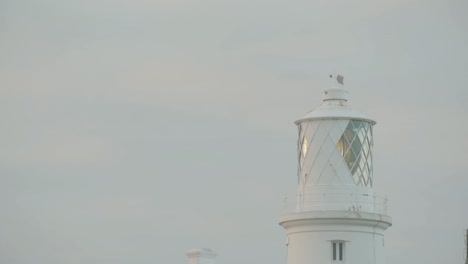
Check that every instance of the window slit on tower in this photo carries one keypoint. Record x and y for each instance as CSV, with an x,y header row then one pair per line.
x,y
341,250
338,251
334,251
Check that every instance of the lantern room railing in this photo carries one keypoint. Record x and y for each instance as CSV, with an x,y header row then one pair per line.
x,y
356,202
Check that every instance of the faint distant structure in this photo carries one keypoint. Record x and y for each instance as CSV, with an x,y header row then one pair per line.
x,y
201,256
338,218
466,247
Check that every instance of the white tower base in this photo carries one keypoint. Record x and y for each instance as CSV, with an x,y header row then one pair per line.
x,y
335,237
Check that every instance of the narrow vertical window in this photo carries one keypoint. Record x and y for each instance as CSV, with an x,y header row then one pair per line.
x,y
341,250
337,251
334,251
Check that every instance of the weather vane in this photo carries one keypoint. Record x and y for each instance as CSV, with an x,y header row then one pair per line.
x,y
339,78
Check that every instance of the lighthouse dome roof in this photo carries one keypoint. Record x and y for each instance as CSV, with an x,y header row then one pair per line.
x,y
334,106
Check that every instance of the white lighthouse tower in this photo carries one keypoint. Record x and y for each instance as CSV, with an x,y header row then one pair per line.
x,y
338,218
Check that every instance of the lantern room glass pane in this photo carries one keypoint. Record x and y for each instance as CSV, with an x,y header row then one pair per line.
x,y
305,147
355,147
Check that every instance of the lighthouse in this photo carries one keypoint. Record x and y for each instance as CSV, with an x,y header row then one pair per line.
x,y
337,218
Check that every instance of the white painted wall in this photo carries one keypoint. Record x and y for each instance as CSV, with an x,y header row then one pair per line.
x,y
310,236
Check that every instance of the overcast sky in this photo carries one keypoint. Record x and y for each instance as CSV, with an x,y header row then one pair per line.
x,y
132,131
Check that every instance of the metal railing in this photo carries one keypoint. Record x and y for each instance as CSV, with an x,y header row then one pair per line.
x,y
356,202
